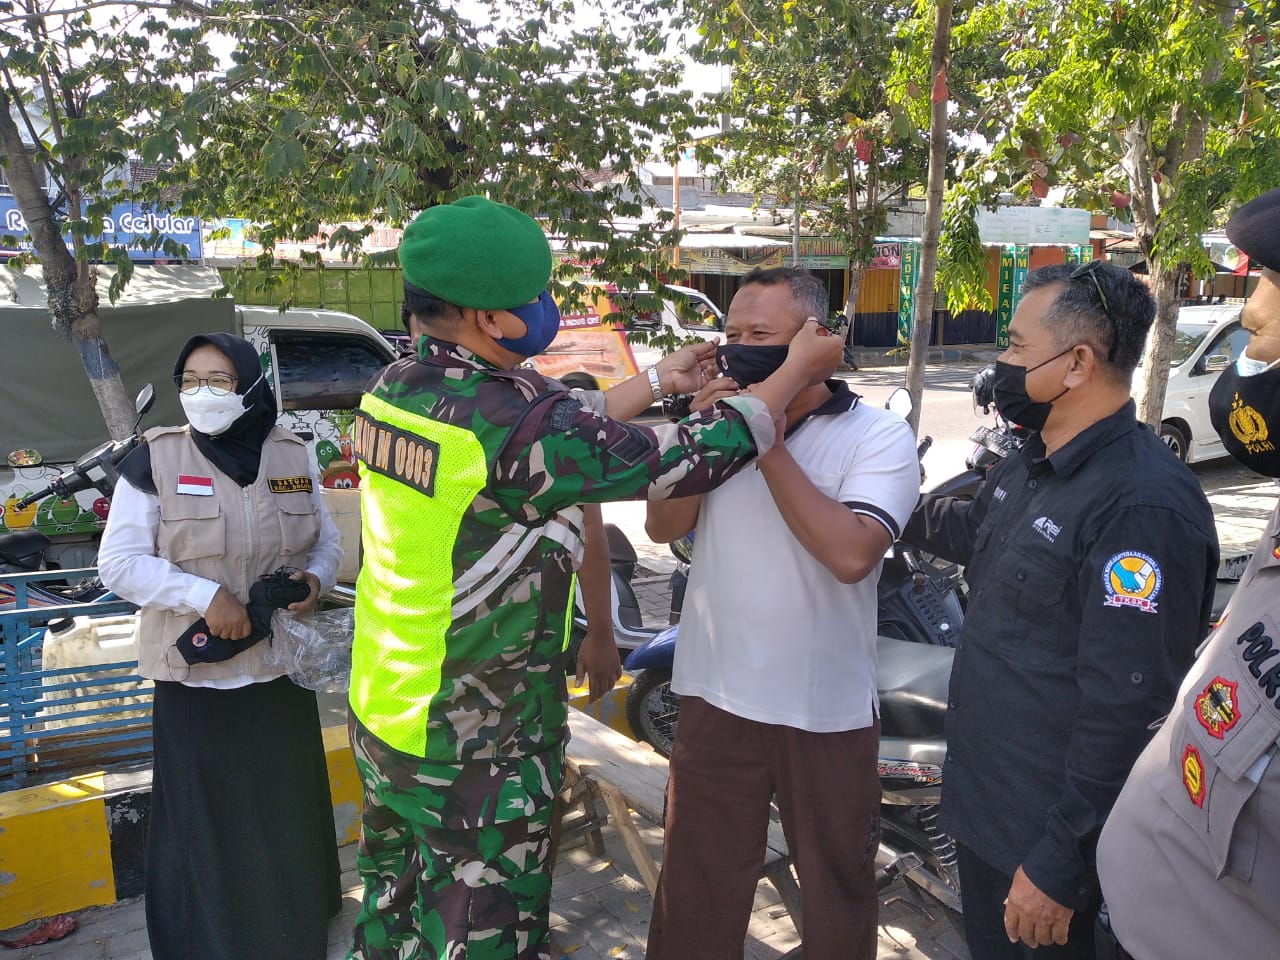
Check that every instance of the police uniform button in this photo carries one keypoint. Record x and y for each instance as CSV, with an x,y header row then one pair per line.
x,y
1135,678
1033,483
1021,575
951,704
1004,538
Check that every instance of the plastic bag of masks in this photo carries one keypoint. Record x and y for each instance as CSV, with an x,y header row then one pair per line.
x,y
315,649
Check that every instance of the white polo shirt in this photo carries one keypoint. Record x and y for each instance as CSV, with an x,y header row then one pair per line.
x,y
767,632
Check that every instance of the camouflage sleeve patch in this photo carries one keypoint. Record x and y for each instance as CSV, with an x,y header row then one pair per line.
x,y
550,462
633,446
563,412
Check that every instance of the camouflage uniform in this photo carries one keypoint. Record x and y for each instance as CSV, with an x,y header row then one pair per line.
x,y
455,830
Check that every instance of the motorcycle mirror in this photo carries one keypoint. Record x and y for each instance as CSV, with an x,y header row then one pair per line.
x,y
982,388
24,458
143,402
900,402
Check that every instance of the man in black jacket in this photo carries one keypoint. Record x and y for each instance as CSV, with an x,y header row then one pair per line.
x,y
1091,557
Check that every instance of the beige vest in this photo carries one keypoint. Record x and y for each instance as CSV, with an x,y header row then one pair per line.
x,y
231,535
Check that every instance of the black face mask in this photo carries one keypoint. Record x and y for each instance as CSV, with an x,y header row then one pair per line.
x,y
1010,389
748,364
1245,413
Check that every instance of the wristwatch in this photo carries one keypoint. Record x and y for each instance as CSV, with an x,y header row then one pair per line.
x,y
655,385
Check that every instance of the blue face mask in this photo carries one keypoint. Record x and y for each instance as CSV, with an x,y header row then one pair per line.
x,y
542,321
1246,366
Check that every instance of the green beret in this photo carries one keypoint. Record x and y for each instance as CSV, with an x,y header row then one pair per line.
x,y
476,253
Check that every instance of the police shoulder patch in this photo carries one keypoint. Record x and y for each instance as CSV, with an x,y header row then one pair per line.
x,y
1218,707
1193,775
1131,579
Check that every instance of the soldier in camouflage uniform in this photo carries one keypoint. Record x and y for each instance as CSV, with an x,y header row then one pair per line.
x,y
471,476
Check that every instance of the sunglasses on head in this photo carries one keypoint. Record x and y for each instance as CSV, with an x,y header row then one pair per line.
x,y
1090,270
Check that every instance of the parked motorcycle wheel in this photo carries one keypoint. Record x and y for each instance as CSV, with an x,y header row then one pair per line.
x,y
653,710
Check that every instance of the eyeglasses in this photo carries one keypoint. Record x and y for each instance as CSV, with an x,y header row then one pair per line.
x,y
1090,270
219,384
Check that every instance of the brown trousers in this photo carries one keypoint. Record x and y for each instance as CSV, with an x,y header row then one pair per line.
x,y
724,772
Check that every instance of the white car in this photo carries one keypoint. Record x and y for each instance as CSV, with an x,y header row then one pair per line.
x,y
1209,339
702,319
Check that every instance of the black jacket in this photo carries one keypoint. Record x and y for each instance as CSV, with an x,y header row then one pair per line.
x,y
1091,576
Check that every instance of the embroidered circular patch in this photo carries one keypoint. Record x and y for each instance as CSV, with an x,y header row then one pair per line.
x,y
1132,579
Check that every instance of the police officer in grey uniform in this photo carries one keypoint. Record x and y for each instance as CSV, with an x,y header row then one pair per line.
x,y
1189,859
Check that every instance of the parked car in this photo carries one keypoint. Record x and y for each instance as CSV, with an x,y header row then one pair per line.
x,y
1209,339
694,315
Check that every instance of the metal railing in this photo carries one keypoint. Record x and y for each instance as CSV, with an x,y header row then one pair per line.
x,y
60,719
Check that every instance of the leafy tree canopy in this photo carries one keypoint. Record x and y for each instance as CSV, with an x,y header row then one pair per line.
x,y
327,112
816,117
339,111
1159,111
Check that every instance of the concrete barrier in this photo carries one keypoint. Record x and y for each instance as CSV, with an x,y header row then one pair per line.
x,y
80,842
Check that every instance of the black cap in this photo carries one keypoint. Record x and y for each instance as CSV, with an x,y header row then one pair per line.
x,y
1255,229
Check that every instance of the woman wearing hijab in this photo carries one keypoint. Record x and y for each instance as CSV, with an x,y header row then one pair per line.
x,y
241,858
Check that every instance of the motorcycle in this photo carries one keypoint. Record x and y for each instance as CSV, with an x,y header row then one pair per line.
x,y
912,687
991,444
26,551
918,604
913,681
629,629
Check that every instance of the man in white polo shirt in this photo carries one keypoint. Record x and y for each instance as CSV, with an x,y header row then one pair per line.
x,y
776,662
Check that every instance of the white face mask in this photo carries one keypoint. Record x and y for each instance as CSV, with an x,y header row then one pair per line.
x,y
212,414
1246,366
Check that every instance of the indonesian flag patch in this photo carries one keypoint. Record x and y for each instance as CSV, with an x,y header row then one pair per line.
x,y
195,486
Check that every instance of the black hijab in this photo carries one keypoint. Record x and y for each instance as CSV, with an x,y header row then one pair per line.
x,y
237,451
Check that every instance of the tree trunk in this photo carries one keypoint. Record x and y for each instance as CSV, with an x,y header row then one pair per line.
x,y
71,288
925,287
857,270
1158,352
857,266
1189,127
